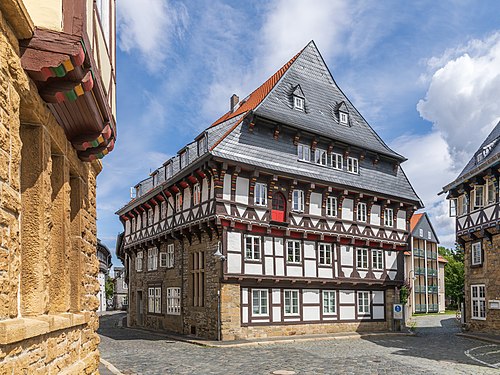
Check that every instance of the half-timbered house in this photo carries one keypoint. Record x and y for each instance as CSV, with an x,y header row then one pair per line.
x,y
288,215
474,202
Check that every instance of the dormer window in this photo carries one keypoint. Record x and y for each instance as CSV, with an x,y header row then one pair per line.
x,y
342,113
298,103
344,118
184,158
202,145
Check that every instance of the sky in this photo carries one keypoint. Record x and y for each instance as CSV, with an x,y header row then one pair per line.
x,y
424,74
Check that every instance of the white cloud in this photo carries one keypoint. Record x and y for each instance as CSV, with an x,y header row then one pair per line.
x,y
148,26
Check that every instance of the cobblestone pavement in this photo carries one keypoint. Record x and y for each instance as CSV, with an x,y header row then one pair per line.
x,y
433,350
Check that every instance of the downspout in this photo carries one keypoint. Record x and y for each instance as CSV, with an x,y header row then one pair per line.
x,y
426,281
413,298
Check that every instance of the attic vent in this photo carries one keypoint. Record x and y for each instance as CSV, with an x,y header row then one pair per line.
x,y
342,113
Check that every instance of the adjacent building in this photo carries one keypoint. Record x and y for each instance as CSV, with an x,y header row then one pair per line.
x,y
104,257
474,202
57,118
424,267
120,297
288,215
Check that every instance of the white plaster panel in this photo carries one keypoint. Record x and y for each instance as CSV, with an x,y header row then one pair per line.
x,y
280,267
325,273
347,271
244,295
244,317
212,190
268,245
310,268
276,295
392,274
309,249
347,255
311,312
347,296
233,263
276,314
401,220
378,296
362,274
310,295
156,215
204,190
186,203
315,204
290,319
226,189
293,271
378,312
127,227
242,190
241,209
377,275
234,241
278,246
375,215
347,209
269,266
391,259
260,320
253,269
260,212
346,312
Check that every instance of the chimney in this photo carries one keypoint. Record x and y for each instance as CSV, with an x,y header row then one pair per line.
x,y
234,101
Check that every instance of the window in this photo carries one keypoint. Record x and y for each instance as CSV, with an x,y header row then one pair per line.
x,y
260,196
462,207
344,118
152,259
304,152
331,206
163,259
363,302
476,254
491,192
361,212
163,210
196,194
329,305
378,259
178,202
298,201
154,300
389,217
293,251
291,302
429,236
320,157
124,283
198,278
336,161
325,254
169,170
138,261
150,217
453,207
298,103
133,225
362,258
170,255
173,301
478,196
259,302
184,158
478,302
421,232
352,165
252,248
202,145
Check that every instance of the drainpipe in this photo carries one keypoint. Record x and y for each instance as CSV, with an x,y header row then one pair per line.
x,y
426,281
413,278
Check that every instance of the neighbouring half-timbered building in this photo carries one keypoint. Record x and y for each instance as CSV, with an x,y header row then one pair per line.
x,y
475,204
288,215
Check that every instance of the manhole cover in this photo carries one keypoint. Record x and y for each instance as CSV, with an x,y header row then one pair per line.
x,y
283,372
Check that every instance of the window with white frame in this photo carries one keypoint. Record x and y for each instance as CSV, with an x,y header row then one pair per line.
x,y
389,217
298,201
196,194
476,254
163,259
377,259
336,160
478,301
163,209
421,232
304,152
429,236
325,254
170,255
478,196
352,165
291,302
260,194
169,170
329,302
492,193
293,251
331,206
260,302
202,145
184,158
453,207
138,261
320,157
152,259
252,248
298,103
154,300
173,301
178,202
363,302
362,258
462,207
124,283
344,118
361,212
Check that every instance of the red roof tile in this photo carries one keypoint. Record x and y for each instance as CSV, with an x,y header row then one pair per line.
x,y
441,259
414,221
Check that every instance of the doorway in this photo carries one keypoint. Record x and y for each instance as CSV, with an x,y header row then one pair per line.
x,y
278,207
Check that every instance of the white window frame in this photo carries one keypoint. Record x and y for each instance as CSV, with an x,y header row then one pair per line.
x,y
304,152
298,200
490,192
361,212
478,298
352,165
361,258
173,301
421,232
329,302
453,207
429,235
253,248
154,300
478,197
260,194
139,258
163,259
291,302
170,255
261,308
377,259
178,202
196,194
343,118
152,258
325,254
336,161
363,298
321,157
476,253
293,251
298,103
389,217
331,206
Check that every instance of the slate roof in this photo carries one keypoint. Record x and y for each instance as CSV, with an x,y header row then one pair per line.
x,y
490,147
423,219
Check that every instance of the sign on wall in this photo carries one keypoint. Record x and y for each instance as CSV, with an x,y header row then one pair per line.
x,y
397,311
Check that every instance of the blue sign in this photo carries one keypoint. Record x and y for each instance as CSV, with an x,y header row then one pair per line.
x,y
398,311
397,308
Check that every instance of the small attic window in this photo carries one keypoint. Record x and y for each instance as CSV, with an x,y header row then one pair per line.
x,y
344,118
298,103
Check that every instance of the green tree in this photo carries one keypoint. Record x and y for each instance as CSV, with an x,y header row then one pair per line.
x,y
453,274
109,288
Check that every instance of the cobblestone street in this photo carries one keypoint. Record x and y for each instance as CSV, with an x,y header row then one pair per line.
x,y
435,349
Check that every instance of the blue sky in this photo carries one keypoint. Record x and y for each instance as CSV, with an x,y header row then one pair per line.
x,y
425,75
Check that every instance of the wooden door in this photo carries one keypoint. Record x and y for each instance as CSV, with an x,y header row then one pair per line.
x,y
278,208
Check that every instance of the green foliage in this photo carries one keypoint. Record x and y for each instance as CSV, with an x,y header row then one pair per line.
x,y
403,295
109,287
453,273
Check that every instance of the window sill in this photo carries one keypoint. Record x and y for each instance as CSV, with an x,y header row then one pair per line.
x,y
477,318
479,265
19,329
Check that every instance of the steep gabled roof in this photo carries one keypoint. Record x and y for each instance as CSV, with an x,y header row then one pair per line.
x,y
421,220
414,221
